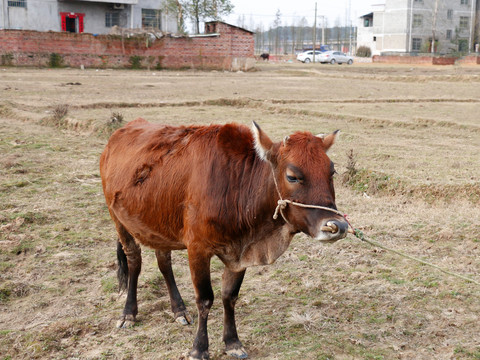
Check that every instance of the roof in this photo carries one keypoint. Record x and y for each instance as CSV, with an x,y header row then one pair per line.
x,y
223,22
367,15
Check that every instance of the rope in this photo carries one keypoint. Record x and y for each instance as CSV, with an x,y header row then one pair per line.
x,y
359,234
282,204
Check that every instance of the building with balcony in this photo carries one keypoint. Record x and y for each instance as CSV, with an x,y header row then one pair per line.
x,y
90,16
408,26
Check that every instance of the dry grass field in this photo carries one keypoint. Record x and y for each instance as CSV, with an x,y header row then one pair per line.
x,y
412,132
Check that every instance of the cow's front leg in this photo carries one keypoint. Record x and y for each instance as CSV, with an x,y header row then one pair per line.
x,y
231,282
200,272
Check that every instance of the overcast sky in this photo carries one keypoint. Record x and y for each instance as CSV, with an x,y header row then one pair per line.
x,y
263,11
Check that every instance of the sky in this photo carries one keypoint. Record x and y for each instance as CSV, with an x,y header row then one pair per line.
x,y
263,11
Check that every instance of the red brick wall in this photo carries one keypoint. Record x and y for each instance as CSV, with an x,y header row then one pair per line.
x,y
402,59
427,60
218,51
470,59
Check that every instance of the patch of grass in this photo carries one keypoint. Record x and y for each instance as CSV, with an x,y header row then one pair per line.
x,y
472,354
5,292
23,247
109,285
5,265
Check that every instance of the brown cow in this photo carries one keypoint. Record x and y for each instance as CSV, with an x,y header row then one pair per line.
x,y
213,190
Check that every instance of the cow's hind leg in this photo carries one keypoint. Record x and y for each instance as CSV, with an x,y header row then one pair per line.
x,y
231,282
164,261
130,263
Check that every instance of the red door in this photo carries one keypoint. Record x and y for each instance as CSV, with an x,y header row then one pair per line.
x,y
72,22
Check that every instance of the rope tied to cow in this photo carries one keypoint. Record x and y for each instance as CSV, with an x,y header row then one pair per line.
x,y
361,236
282,204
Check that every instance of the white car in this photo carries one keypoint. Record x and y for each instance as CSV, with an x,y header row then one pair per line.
x,y
307,56
333,57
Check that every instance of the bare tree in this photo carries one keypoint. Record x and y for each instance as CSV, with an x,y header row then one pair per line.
x,y
276,25
201,10
175,7
293,36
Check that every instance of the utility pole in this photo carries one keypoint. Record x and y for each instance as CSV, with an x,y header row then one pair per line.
x,y
434,26
472,27
314,32
350,27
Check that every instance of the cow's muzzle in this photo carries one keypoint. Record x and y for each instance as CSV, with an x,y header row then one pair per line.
x,y
332,230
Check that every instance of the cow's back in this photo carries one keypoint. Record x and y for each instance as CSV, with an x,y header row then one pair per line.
x,y
156,177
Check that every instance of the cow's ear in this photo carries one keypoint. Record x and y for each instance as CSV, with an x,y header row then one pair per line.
x,y
329,140
263,144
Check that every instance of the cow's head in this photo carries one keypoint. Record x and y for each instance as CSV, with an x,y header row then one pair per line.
x,y
304,174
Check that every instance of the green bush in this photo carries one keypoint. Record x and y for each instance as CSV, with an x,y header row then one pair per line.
x,y
7,59
364,51
135,62
56,60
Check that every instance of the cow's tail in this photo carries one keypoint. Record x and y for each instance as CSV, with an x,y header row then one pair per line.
x,y
122,272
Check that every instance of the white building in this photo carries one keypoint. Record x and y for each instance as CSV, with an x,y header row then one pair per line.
x,y
92,16
405,26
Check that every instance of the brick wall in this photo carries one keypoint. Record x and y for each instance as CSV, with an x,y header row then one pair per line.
x,y
426,60
230,48
470,60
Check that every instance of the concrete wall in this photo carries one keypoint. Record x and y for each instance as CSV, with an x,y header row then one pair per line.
x,y
43,15
230,48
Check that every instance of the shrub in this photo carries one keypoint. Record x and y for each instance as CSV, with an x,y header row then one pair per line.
x,y
60,112
55,61
7,59
135,62
364,51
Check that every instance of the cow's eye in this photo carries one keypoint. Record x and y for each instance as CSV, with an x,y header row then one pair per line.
x,y
292,179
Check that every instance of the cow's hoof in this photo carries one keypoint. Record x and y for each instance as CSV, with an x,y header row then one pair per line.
x,y
236,350
126,321
183,318
197,355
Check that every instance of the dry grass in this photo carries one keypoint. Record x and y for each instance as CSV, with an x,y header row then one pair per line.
x,y
415,139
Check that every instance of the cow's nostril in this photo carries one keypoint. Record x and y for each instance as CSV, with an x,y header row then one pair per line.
x,y
336,227
332,226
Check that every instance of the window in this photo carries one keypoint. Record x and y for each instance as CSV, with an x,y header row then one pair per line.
x,y
17,3
417,20
374,38
419,1
416,44
151,18
449,35
449,14
463,22
463,2
367,22
112,19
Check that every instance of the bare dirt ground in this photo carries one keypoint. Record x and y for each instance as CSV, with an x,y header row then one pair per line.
x,y
415,187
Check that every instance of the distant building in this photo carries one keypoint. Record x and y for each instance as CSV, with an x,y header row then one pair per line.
x,y
91,16
405,26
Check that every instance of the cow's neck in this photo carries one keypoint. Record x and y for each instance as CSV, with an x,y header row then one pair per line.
x,y
266,238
